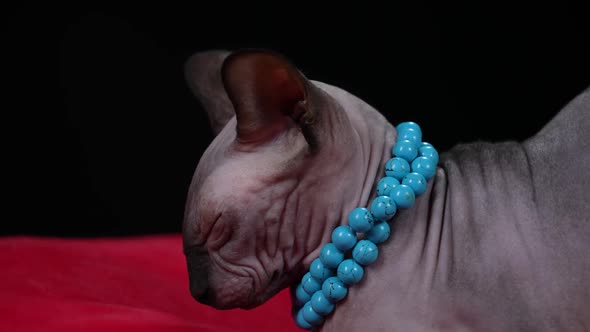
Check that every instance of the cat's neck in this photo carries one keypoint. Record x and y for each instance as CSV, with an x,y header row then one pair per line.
x,y
407,267
411,252
375,134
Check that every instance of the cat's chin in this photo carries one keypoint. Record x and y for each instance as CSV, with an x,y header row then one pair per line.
x,y
251,300
275,286
246,304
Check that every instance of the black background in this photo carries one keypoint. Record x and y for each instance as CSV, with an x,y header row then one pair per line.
x,y
102,135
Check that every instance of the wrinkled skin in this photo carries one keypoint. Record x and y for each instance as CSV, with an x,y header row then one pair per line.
x,y
499,242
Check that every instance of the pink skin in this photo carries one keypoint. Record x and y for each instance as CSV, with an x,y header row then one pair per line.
x,y
273,215
498,242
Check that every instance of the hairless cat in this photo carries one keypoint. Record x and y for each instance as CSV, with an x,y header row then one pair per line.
x,y
500,240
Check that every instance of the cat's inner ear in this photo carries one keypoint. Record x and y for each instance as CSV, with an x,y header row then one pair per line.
x,y
268,94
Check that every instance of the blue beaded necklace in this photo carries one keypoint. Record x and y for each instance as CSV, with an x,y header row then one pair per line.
x,y
329,277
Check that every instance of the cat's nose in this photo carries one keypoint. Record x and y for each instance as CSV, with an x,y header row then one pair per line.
x,y
203,297
198,263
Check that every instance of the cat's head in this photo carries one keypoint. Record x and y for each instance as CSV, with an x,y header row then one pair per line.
x,y
290,158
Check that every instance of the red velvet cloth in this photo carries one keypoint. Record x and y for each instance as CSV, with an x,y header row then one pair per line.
x,y
130,284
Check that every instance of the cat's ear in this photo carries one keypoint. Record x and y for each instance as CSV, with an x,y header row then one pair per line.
x,y
268,93
203,75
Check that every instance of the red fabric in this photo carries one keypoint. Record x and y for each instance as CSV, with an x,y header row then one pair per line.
x,y
131,284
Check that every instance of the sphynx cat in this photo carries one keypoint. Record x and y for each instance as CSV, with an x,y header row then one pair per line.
x,y
500,241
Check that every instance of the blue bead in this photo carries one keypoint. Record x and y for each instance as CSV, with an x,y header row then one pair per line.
x,y
318,270
408,124
410,134
403,196
301,322
416,181
397,168
365,252
310,284
344,237
311,316
301,295
360,220
385,185
383,208
405,149
428,151
331,256
334,289
350,272
424,166
379,233
320,304
424,144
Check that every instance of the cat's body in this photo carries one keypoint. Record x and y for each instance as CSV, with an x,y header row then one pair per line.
x,y
499,242
477,253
